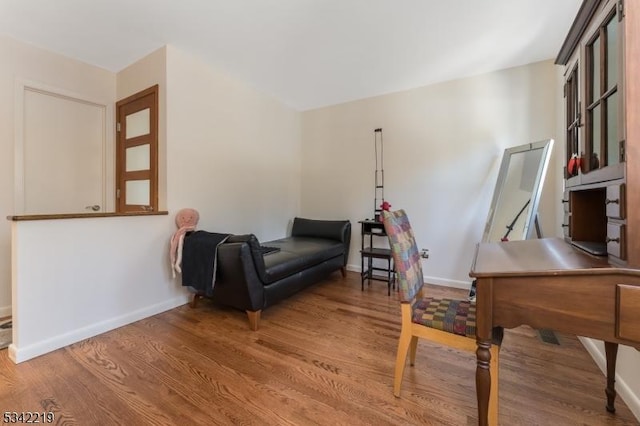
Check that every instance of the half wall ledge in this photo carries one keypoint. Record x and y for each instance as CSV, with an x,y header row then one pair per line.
x,y
17,218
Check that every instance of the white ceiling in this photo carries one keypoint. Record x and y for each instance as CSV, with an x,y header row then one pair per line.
x,y
307,53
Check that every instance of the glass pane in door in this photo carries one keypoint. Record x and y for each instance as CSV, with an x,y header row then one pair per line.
x,y
594,161
613,142
137,158
138,123
138,192
595,70
612,52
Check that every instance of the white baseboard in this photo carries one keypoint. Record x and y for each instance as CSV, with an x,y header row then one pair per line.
x,y
5,311
445,282
353,268
21,354
622,389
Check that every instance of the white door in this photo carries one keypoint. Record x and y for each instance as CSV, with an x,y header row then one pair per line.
x,y
63,145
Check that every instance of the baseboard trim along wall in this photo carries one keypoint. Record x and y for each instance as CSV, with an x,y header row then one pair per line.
x,y
56,342
465,285
445,282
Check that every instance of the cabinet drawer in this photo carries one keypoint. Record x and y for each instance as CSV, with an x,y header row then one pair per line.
x,y
616,240
627,308
615,201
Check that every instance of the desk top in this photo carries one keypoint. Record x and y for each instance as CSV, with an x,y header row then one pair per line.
x,y
545,256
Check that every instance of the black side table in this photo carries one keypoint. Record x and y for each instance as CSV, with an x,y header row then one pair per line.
x,y
369,230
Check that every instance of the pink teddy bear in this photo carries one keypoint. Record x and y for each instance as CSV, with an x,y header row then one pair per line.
x,y
186,220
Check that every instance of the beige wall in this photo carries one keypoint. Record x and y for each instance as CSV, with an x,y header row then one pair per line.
x,y
23,62
144,73
442,150
226,149
232,153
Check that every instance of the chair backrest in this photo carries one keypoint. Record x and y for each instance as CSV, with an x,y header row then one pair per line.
x,y
406,256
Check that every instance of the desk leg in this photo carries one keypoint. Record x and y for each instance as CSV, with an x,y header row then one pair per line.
x,y
484,327
611,351
483,380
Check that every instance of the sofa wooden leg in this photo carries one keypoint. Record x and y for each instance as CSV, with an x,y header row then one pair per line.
x,y
343,270
254,319
194,301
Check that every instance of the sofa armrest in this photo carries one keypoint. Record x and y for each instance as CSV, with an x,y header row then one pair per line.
x,y
331,229
256,253
339,230
237,283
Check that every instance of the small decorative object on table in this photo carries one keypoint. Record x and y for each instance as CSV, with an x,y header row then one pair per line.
x,y
385,206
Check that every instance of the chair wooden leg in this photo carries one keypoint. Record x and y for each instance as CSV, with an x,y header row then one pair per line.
x,y
254,319
343,270
412,350
493,396
401,360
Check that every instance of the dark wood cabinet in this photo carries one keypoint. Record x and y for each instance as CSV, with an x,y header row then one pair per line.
x,y
601,59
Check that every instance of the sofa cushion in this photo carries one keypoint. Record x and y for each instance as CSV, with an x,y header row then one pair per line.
x,y
297,254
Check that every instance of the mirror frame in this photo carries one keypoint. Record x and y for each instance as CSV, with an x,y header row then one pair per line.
x,y
546,146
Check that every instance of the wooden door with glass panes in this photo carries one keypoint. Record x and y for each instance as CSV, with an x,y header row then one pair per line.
x,y
137,152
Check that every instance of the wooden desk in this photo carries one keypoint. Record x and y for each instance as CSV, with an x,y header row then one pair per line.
x,y
549,284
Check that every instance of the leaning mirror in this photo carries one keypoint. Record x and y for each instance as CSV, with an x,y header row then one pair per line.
x,y
514,207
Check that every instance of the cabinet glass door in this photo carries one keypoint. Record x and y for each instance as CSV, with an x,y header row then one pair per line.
x,y
603,136
572,120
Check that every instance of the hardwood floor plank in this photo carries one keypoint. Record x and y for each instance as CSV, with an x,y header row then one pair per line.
x,y
324,356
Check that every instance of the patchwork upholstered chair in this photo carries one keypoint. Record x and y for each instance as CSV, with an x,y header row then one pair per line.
x,y
445,321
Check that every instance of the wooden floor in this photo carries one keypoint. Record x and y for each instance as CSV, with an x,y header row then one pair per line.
x,y
325,356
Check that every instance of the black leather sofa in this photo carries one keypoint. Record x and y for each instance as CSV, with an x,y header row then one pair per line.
x,y
250,280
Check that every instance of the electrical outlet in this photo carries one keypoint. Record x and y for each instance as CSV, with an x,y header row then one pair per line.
x,y
424,253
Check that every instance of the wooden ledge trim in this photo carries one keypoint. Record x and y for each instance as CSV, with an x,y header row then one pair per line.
x,y
17,218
